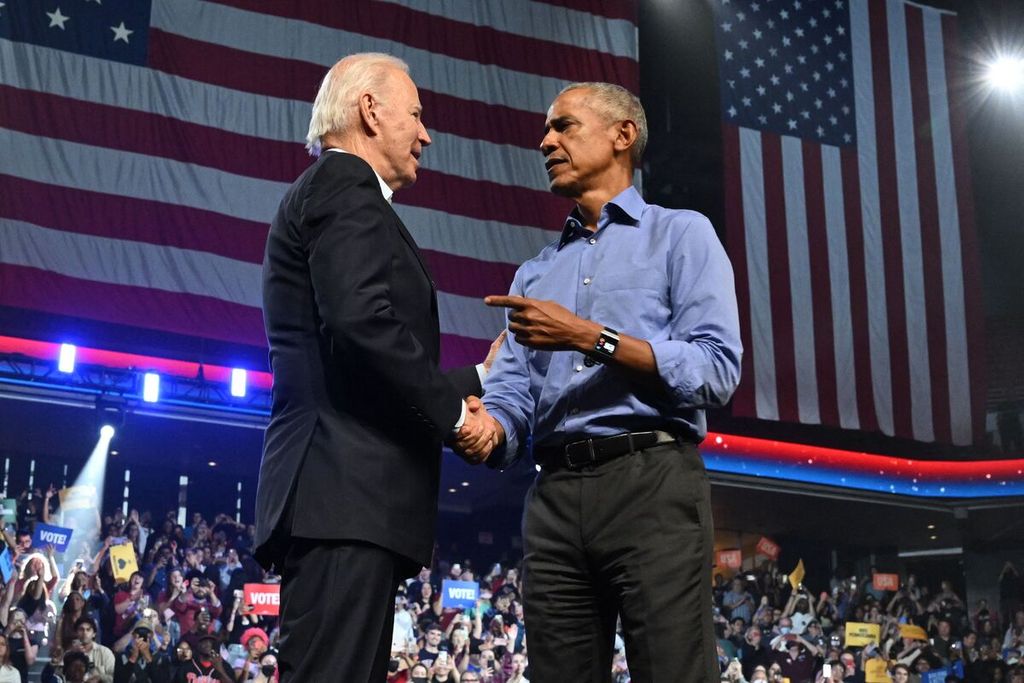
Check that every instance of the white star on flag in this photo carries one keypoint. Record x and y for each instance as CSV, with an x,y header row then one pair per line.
x,y
121,32
57,19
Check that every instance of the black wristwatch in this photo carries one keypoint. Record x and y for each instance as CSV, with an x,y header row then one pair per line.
x,y
604,349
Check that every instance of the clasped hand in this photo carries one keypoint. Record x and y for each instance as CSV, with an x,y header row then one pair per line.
x,y
479,434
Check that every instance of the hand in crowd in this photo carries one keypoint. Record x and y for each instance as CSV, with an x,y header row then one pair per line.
x,y
479,435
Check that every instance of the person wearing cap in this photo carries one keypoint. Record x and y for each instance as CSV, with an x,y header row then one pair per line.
x,y
206,661
256,642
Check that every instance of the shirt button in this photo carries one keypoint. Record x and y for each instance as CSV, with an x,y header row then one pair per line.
x,y
579,368
593,240
586,280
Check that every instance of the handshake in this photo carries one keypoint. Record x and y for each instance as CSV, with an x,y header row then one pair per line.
x,y
479,435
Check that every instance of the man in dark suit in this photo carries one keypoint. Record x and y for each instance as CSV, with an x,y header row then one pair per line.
x,y
347,497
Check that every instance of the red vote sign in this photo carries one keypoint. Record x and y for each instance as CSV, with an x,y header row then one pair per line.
x,y
768,548
733,559
265,598
885,582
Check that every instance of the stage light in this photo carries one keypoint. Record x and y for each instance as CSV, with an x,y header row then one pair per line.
x,y
66,360
151,387
107,432
238,382
1007,74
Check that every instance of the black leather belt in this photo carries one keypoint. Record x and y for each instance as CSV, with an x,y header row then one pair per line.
x,y
589,452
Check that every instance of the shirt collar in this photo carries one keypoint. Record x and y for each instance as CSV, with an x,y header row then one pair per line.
x,y
626,207
384,189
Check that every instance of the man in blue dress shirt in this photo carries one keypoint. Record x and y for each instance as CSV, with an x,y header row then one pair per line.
x,y
621,334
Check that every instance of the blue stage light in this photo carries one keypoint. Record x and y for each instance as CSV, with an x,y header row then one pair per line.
x,y
151,387
66,360
238,380
107,432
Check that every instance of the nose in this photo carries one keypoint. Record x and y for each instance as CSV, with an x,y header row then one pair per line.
x,y
424,136
547,144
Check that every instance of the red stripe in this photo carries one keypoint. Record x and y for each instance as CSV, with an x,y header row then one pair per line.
x,y
458,352
743,401
931,240
467,276
821,285
186,314
858,291
116,217
297,80
610,9
778,277
888,195
973,302
461,40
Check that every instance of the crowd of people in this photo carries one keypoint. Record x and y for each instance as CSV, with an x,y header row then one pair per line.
x,y
181,616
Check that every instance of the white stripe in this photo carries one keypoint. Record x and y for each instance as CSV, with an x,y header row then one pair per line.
x,y
839,281
98,169
469,316
874,263
910,225
756,237
538,20
949,233
307,42
801,299
478,239
123,262
149,91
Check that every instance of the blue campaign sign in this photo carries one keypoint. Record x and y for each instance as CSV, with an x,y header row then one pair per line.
x,y
6,565
47,534
459,594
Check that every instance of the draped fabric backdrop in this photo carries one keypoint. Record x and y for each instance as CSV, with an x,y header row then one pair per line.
x,y
145,145
849,217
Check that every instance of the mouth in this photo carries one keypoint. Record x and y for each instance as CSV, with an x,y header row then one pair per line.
x,y
552,162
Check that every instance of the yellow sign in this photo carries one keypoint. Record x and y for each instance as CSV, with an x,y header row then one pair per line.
x,y
797,575
78,498
875,671
912,631
123,562
859,634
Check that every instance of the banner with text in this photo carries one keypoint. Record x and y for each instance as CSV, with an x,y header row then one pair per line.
x,y
732,559
768,548
123,562
6,565
859,634
265,598
47,534
885,582
459,594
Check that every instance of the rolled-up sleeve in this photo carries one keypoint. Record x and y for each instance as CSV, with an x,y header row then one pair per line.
x,y
700,360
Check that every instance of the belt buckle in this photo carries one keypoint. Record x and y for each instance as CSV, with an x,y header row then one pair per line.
x,y
590,457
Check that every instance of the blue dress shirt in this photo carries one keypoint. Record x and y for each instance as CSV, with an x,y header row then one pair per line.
x,y
653,273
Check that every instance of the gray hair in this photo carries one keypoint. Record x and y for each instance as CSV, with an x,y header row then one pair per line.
x,y
615,103
335,108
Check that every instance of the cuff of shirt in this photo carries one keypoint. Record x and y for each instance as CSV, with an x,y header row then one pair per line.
x,y
462,419
481,372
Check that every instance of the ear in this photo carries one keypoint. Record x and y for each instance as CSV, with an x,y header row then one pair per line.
x,y
369,109
625,135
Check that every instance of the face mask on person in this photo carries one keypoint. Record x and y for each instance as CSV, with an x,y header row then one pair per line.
x,y
267,670
784,630
419,679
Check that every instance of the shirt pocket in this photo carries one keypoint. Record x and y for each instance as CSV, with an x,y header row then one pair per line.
x,y
631,301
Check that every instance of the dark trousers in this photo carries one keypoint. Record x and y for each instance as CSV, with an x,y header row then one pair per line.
x,y
631,537
337,611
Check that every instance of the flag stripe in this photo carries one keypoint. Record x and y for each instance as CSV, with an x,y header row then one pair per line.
x,y
819,282
974,315
869,410
538,20
845,383
467,277
760,281
930,239
611,9
798,265
743,399
779,277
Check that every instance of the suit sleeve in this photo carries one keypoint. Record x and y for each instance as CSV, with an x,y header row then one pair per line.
x,y
349,254
466,380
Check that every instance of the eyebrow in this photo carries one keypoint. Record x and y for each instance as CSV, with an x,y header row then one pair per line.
x,y
559,120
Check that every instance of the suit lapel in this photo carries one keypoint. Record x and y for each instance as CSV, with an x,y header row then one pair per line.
x,y
412,246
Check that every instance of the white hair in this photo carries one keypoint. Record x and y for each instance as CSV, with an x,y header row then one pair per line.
x,y
335,109
615,103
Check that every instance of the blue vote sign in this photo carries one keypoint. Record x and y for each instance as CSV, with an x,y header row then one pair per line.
x,y
459,594
48,534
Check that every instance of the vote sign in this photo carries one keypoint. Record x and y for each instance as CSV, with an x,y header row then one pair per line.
x,y
47,534
459,594
265,598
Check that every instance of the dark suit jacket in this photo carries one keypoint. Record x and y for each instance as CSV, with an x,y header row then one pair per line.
x,y
353,448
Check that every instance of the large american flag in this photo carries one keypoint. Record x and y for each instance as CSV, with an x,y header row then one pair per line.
x,y
849,216
145,145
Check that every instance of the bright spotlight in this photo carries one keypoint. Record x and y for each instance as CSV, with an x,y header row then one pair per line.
x,y
151,387
66,360
1007,74
238,382
107,432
